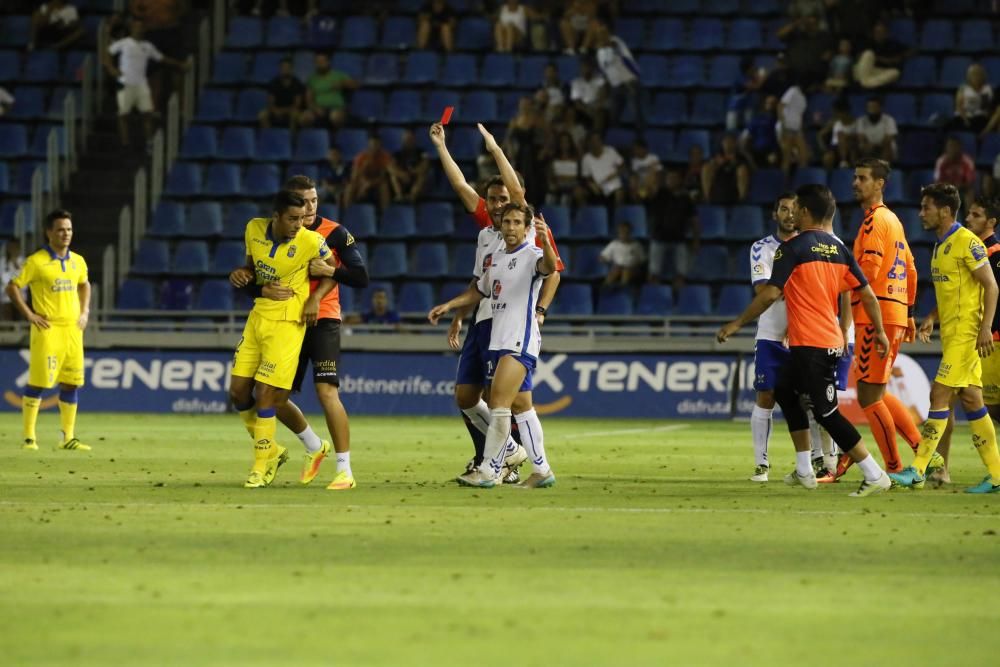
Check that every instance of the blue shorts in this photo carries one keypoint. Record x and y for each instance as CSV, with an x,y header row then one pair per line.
x,y
475,354
844,368
770,358
525,360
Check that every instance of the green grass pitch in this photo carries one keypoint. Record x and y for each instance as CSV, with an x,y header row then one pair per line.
x,y
651,550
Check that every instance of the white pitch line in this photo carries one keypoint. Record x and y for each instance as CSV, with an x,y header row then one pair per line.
x,y
597,434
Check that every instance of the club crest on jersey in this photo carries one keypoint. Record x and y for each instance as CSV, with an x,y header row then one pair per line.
x,y
350,239
777,254
978,251
291,251
497,288
947,249
511,264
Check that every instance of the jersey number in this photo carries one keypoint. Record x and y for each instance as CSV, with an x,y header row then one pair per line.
x,y
897,262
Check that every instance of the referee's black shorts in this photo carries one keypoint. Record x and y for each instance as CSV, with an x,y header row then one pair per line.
x,y
810,373
321,346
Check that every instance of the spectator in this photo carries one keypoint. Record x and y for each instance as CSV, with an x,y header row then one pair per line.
x,y
674,231
880,63
409,169
742,94
622,74
285,96
645,168
370,175
55,25
837,137
794,149
325,101
525,144
726,179
957,168
436,26
578,26
588,93
511,27
134,54
601,171
11,263
693,172
839,76
380,312
779,78
991,182
569,122
6,101
334,175
973,101
625,258
994,123
161,23
876,132
809,49
564,171
760,140
852,19
555,97
799,9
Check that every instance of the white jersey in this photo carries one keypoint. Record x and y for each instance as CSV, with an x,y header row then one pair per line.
x,y
850,332
511,287
773,322
489,244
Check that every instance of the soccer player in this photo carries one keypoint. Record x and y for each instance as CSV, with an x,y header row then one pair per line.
x,y
321,344
511,286
811,270
59,311
471,375
966,294
885,258
280,250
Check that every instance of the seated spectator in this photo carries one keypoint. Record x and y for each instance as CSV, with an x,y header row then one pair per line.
x,y
760,140
588,93
436,26
645,168
798,9
837,139
570,123
956,167
555,96
621,72
564,171
791,110
285,97
408,170
325,88
11,262
726,179
674,232
55,25
779,79
370,175
839,75
625,258
808,48
881,62
6,101
525,146
578,26
601,171
380,312
876,132
973,101
994,123
743,94
511,27
334,174
693,172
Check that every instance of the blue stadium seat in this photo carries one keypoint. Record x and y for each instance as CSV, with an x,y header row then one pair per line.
x,y
586,264
631,30
215,106
351,64
557,218
902,107
358,32
614,302
312,145
655,300
705,35
421,67
694,300
531,71
351,141
661,142
381,69
10,66
265,67
204,220
480,105
459,70
904,30
399,32
415,297
705,109
968,140
229,68
30,102
136,294
176,294
435,219
635,216
746,223
184,180
687,71
214,295
766,185
669,108
321,33
953,69
284,32
360,220
13,141
621,138
918,72
915,180
568,68
399,221
430,260
228,255
666,34
346,296
41,67
262,180
237,215
392,137
992,65
721,7
152,257
464,143
711,262
191,258
389,261
918,150
4,183
988,150
763,7
329,211
249,102
744,35
199,143
937,35
922,259
21,184
8,216
274,145
237,144
497,70
474,34
223,180
403,107
655,70
842,185
806,175
168,219
733,299
893,191
15,30
936,109
574,299
245,32
688,138
591,223
462,261
722,72
712,220
368,105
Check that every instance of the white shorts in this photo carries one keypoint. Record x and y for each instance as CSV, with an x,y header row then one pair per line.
x,y
135,97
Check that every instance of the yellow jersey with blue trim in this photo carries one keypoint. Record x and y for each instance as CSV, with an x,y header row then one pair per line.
x,y
284,261
959,295
53,281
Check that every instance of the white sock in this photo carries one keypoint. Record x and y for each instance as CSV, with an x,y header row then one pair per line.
x,y
310,440
870,469
480,417
803,464
496,438
828,449
760,431
344,462
815,438
534,440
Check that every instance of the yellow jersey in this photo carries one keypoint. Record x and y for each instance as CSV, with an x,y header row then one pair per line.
x,y
286,262
959,295
53,282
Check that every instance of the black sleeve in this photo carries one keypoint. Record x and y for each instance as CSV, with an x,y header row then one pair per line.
x,y
353,272
253,290
995,263
785,262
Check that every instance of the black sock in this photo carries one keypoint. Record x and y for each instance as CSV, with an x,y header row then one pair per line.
x,y
478,440
514,433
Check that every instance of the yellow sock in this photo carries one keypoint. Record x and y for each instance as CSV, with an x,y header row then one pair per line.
x,y
930,436
263,435
29,411
249,418
67,418
984,439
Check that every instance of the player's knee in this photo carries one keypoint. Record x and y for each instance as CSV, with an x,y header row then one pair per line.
x,y
467,396
522,403
327,393
841,430
765,399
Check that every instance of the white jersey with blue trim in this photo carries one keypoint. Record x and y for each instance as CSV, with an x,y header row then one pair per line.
x,y
489,244
773,322
511,286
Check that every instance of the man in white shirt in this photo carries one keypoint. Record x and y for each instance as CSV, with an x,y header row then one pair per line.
x,y
11,263
646,169
622,72
56,24
588,93
134,54
791,109
601,169
624,256
876,132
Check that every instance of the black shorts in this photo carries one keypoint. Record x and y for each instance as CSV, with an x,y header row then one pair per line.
x,y
812,373
321,346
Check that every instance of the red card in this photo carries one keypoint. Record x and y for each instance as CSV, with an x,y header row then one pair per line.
x,y
446,116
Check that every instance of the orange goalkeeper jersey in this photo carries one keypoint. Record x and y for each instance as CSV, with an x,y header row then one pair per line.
x,y
884,256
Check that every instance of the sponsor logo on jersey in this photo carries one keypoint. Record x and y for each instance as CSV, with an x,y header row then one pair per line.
x,y
977,249
825,249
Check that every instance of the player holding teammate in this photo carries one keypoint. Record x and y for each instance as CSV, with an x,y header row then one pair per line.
x,y
811,270
59,311
966,294
279,249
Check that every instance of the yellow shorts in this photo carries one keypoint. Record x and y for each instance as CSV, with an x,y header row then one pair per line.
x,y
960,365
56,356
269,351
991,378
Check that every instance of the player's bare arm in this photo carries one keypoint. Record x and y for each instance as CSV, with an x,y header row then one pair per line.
x,y
83,292
22,307
241,277
455,328
465,192
984,276
765,297
926,329
870,303
846,317
507,172
469,297
549,261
